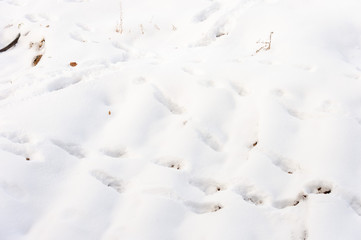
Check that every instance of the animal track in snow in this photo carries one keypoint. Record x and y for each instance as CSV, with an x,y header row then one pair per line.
x,y
206,13
319,187
218,30
62,83
15,143
170,162
297,114
278,92
208,186
168,103
72,149
14,149
78,37
239,89
202,208
210,140
301,235
323,109
15,137
114,153
108,180
285,164
355,204
251,194
32,18
291,202
84,27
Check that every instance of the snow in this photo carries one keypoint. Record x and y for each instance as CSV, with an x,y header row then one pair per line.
x,y
181,120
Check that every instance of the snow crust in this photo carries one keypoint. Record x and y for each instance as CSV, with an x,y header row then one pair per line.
x,y
181,120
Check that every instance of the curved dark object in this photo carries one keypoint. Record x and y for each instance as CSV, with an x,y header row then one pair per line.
x,y
13,43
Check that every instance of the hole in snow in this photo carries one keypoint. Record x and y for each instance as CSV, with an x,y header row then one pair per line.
x,y
208,186
202,208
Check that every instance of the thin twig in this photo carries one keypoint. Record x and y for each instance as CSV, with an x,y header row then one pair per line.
x,y
13,43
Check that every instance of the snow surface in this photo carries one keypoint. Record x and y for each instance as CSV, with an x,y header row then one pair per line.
x,y
180,121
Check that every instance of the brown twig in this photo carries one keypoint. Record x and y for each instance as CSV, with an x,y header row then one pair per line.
x,y
13,43
267,45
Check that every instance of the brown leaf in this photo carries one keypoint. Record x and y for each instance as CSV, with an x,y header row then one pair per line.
x,y
37,60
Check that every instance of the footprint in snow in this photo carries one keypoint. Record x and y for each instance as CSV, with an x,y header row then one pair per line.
x,y
301,234
285,164
114,152
278,92
171,162
325,108
316,187
168,103
251,194
290,202
239,89
203,208
15,143
78,37
63,83
208,186
15,137
33,18
210,140
355,204
70,148
319,187
108,180
84,27
206,13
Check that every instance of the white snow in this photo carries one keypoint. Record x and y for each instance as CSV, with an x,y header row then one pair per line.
x,y
181,120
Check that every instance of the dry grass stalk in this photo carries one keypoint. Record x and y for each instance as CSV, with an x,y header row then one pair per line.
x,y
266,45
119,28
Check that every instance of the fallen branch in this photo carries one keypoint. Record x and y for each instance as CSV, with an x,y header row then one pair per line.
x,y
13,43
